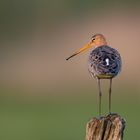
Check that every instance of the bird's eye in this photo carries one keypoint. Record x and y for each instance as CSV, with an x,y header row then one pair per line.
x,y
93,39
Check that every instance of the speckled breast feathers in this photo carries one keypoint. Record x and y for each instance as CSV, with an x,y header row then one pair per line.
x,y
104,62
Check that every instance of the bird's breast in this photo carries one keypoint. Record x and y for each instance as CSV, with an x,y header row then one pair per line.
x,y
104,62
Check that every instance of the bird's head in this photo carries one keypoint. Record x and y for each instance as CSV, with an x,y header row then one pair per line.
x,y
96,41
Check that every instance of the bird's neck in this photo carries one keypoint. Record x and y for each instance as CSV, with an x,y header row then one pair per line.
x,y
100,44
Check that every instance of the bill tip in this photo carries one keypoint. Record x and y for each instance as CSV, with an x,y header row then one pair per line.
x,y
67,58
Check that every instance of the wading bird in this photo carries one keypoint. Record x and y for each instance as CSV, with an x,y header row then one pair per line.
x,y
104,62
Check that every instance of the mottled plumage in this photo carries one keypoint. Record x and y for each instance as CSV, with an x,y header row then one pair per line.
x,y
104,62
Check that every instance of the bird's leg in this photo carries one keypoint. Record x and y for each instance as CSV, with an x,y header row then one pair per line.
x,y
110,90
100,95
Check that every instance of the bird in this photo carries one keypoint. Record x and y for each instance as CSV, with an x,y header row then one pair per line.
x,y
104,62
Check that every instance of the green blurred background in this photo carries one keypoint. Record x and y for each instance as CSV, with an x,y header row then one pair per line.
x,y
44,97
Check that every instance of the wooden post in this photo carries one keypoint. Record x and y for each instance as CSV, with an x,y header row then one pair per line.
x,y
108,127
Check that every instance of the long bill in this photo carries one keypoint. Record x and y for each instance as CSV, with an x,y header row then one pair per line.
x,y
81,50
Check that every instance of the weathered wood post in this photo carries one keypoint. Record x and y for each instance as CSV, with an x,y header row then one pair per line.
x,y
108,127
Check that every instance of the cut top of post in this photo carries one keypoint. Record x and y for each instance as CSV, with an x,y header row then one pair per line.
x,y
108,127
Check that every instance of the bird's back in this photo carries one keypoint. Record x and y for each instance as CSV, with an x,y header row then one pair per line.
x,y
104,62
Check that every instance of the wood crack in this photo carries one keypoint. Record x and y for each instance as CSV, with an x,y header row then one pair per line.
x,y
108,127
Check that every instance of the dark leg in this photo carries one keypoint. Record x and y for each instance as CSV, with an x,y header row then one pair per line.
x,y
100,95
110,90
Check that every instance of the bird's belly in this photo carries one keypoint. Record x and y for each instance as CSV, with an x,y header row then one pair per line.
x,y
103,72
104,62
104,76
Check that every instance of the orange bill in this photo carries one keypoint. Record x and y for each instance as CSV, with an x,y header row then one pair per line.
x,y
81,50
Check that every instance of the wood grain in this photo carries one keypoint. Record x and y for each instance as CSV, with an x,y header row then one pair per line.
x,y
110,127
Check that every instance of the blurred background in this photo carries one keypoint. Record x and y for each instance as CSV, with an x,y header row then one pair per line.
x,y
45,97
